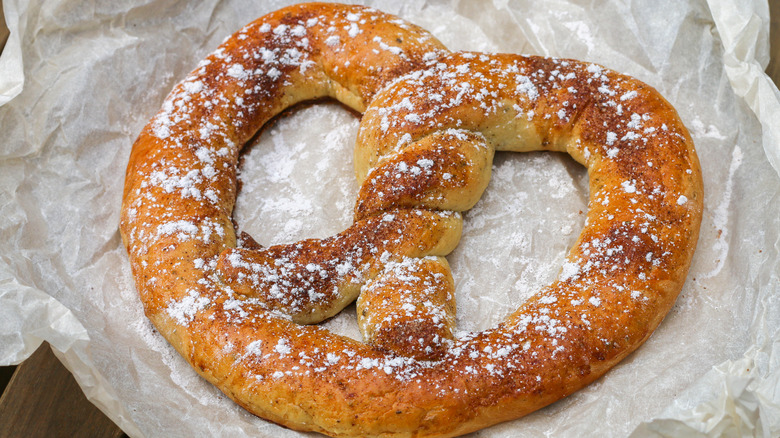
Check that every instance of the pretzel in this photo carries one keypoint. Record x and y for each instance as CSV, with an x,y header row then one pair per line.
x,y
432,122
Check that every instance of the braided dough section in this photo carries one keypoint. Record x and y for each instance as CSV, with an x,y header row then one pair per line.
x,y
424,151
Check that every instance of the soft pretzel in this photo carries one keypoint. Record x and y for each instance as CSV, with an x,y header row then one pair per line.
x,y
432,122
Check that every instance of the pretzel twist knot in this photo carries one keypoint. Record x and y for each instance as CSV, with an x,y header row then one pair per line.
x,y
432,122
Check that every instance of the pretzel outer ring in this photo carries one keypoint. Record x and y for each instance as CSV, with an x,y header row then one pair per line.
x,y
179,195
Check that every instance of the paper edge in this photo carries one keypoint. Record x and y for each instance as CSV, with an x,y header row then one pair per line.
x,y
96,387
11,60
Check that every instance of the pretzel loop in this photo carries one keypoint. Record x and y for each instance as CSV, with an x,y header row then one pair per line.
x,y
433,121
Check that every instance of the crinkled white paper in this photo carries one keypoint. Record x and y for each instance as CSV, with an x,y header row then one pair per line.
x,y
94,73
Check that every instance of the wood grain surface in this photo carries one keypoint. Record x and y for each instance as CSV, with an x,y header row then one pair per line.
x,y
774,42
40,398
3,30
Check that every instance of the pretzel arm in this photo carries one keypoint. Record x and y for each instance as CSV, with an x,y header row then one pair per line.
x,y
314,279
447,170
409,309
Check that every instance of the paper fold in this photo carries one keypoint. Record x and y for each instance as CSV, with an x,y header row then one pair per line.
x,y
744,30
12,79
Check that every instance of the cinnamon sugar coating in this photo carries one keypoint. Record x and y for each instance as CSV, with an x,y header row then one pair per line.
x,y
432,122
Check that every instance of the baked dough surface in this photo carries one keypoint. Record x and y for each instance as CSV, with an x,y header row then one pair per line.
x,y
432,122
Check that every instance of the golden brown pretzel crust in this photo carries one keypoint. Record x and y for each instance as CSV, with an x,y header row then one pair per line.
x,y
432,122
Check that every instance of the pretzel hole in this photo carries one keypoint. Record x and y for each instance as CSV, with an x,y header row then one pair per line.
x,y
296,176
516,237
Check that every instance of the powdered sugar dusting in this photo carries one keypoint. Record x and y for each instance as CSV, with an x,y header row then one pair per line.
x,y
184,311
609,270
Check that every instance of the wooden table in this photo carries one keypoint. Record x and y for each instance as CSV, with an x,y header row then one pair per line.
x,y
42,399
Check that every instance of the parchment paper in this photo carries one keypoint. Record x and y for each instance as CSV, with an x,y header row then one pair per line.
x,y
78,80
